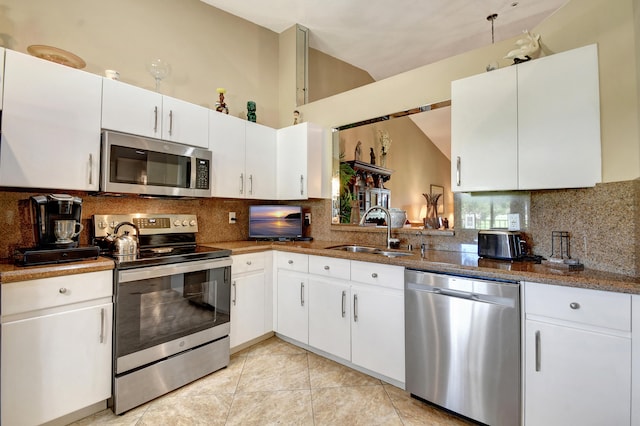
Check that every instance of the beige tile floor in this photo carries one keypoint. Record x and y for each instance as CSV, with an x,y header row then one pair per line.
x,y
274,382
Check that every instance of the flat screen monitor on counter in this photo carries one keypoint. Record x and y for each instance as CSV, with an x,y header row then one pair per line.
x,y
272,222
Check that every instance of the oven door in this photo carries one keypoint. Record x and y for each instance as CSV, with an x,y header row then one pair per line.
x,y
164,310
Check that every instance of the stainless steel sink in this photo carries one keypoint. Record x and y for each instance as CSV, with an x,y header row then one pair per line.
x,y
372,250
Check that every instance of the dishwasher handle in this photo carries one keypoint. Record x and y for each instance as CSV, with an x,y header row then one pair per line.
x,y
460,294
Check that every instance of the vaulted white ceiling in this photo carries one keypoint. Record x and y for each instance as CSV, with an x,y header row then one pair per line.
x,y
387,37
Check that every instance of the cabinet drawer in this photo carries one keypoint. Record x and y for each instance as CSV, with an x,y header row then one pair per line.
x,y
43,293
330,267
292,261
378,274
590,307
247,263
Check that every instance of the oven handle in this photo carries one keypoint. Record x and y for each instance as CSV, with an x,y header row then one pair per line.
x,y
144,273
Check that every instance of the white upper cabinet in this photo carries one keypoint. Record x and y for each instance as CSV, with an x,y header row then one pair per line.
x,y
559,121
184,122
131,109
484,131
303,163
534,125
50,125
260,161
244,158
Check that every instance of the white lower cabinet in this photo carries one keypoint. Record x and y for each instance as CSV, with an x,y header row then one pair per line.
x,y
348,309
635,361
577,356
248,296
56,346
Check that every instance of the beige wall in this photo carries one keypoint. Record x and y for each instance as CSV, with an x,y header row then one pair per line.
x,y
580,22
329,76
206,47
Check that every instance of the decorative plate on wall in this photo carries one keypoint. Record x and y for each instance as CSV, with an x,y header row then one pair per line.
x,y
56,55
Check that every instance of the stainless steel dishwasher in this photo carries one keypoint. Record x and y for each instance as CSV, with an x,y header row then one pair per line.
x,y
463,345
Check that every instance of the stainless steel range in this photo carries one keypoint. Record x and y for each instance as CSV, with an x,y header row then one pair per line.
x,y
172,301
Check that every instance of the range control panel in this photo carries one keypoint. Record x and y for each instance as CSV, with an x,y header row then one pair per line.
x,y
148,224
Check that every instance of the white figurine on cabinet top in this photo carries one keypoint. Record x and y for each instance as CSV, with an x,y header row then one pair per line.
x,y
528,48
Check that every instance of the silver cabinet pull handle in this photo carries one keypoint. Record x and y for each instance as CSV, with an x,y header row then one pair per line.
x,y
248,262
62,290
90,169
170,122
250,184
290,262
326,267
374,275
355,308
155,119
344,303
574,305
458,170
235,293
102,324
301,294
538,349
241,182
301,184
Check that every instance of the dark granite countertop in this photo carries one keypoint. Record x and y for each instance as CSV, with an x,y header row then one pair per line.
x,y
457,263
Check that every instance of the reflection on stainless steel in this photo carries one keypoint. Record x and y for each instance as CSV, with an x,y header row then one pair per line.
x,y
463,345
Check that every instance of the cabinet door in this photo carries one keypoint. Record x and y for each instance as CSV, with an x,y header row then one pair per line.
x,y
293,308
226,142
50,125
55,364
292,163
184,122
559,121
247,308
575,376
329,316
635,360
1,74
260,161
131,109
484,132
377,330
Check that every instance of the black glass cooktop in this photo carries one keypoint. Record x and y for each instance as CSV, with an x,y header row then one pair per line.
x,y
152,256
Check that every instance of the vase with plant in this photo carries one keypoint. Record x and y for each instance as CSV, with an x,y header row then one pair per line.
x,y
431,220
385,143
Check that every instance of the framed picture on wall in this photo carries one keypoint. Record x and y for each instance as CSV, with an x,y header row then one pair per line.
x,y
437,189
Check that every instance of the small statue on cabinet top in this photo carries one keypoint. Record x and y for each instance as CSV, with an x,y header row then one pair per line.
x,y
357,155
220,105
251,111
296,117
373,156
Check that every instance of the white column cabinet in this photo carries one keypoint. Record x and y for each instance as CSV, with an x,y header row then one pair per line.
x,y
577,356
534,125
248,285
131,109
303,163
56,346
292,317
50,125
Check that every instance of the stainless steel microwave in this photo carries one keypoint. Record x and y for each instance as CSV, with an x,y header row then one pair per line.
x,y
139,165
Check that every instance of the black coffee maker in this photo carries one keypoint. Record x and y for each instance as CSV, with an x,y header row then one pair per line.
x,y
57,220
